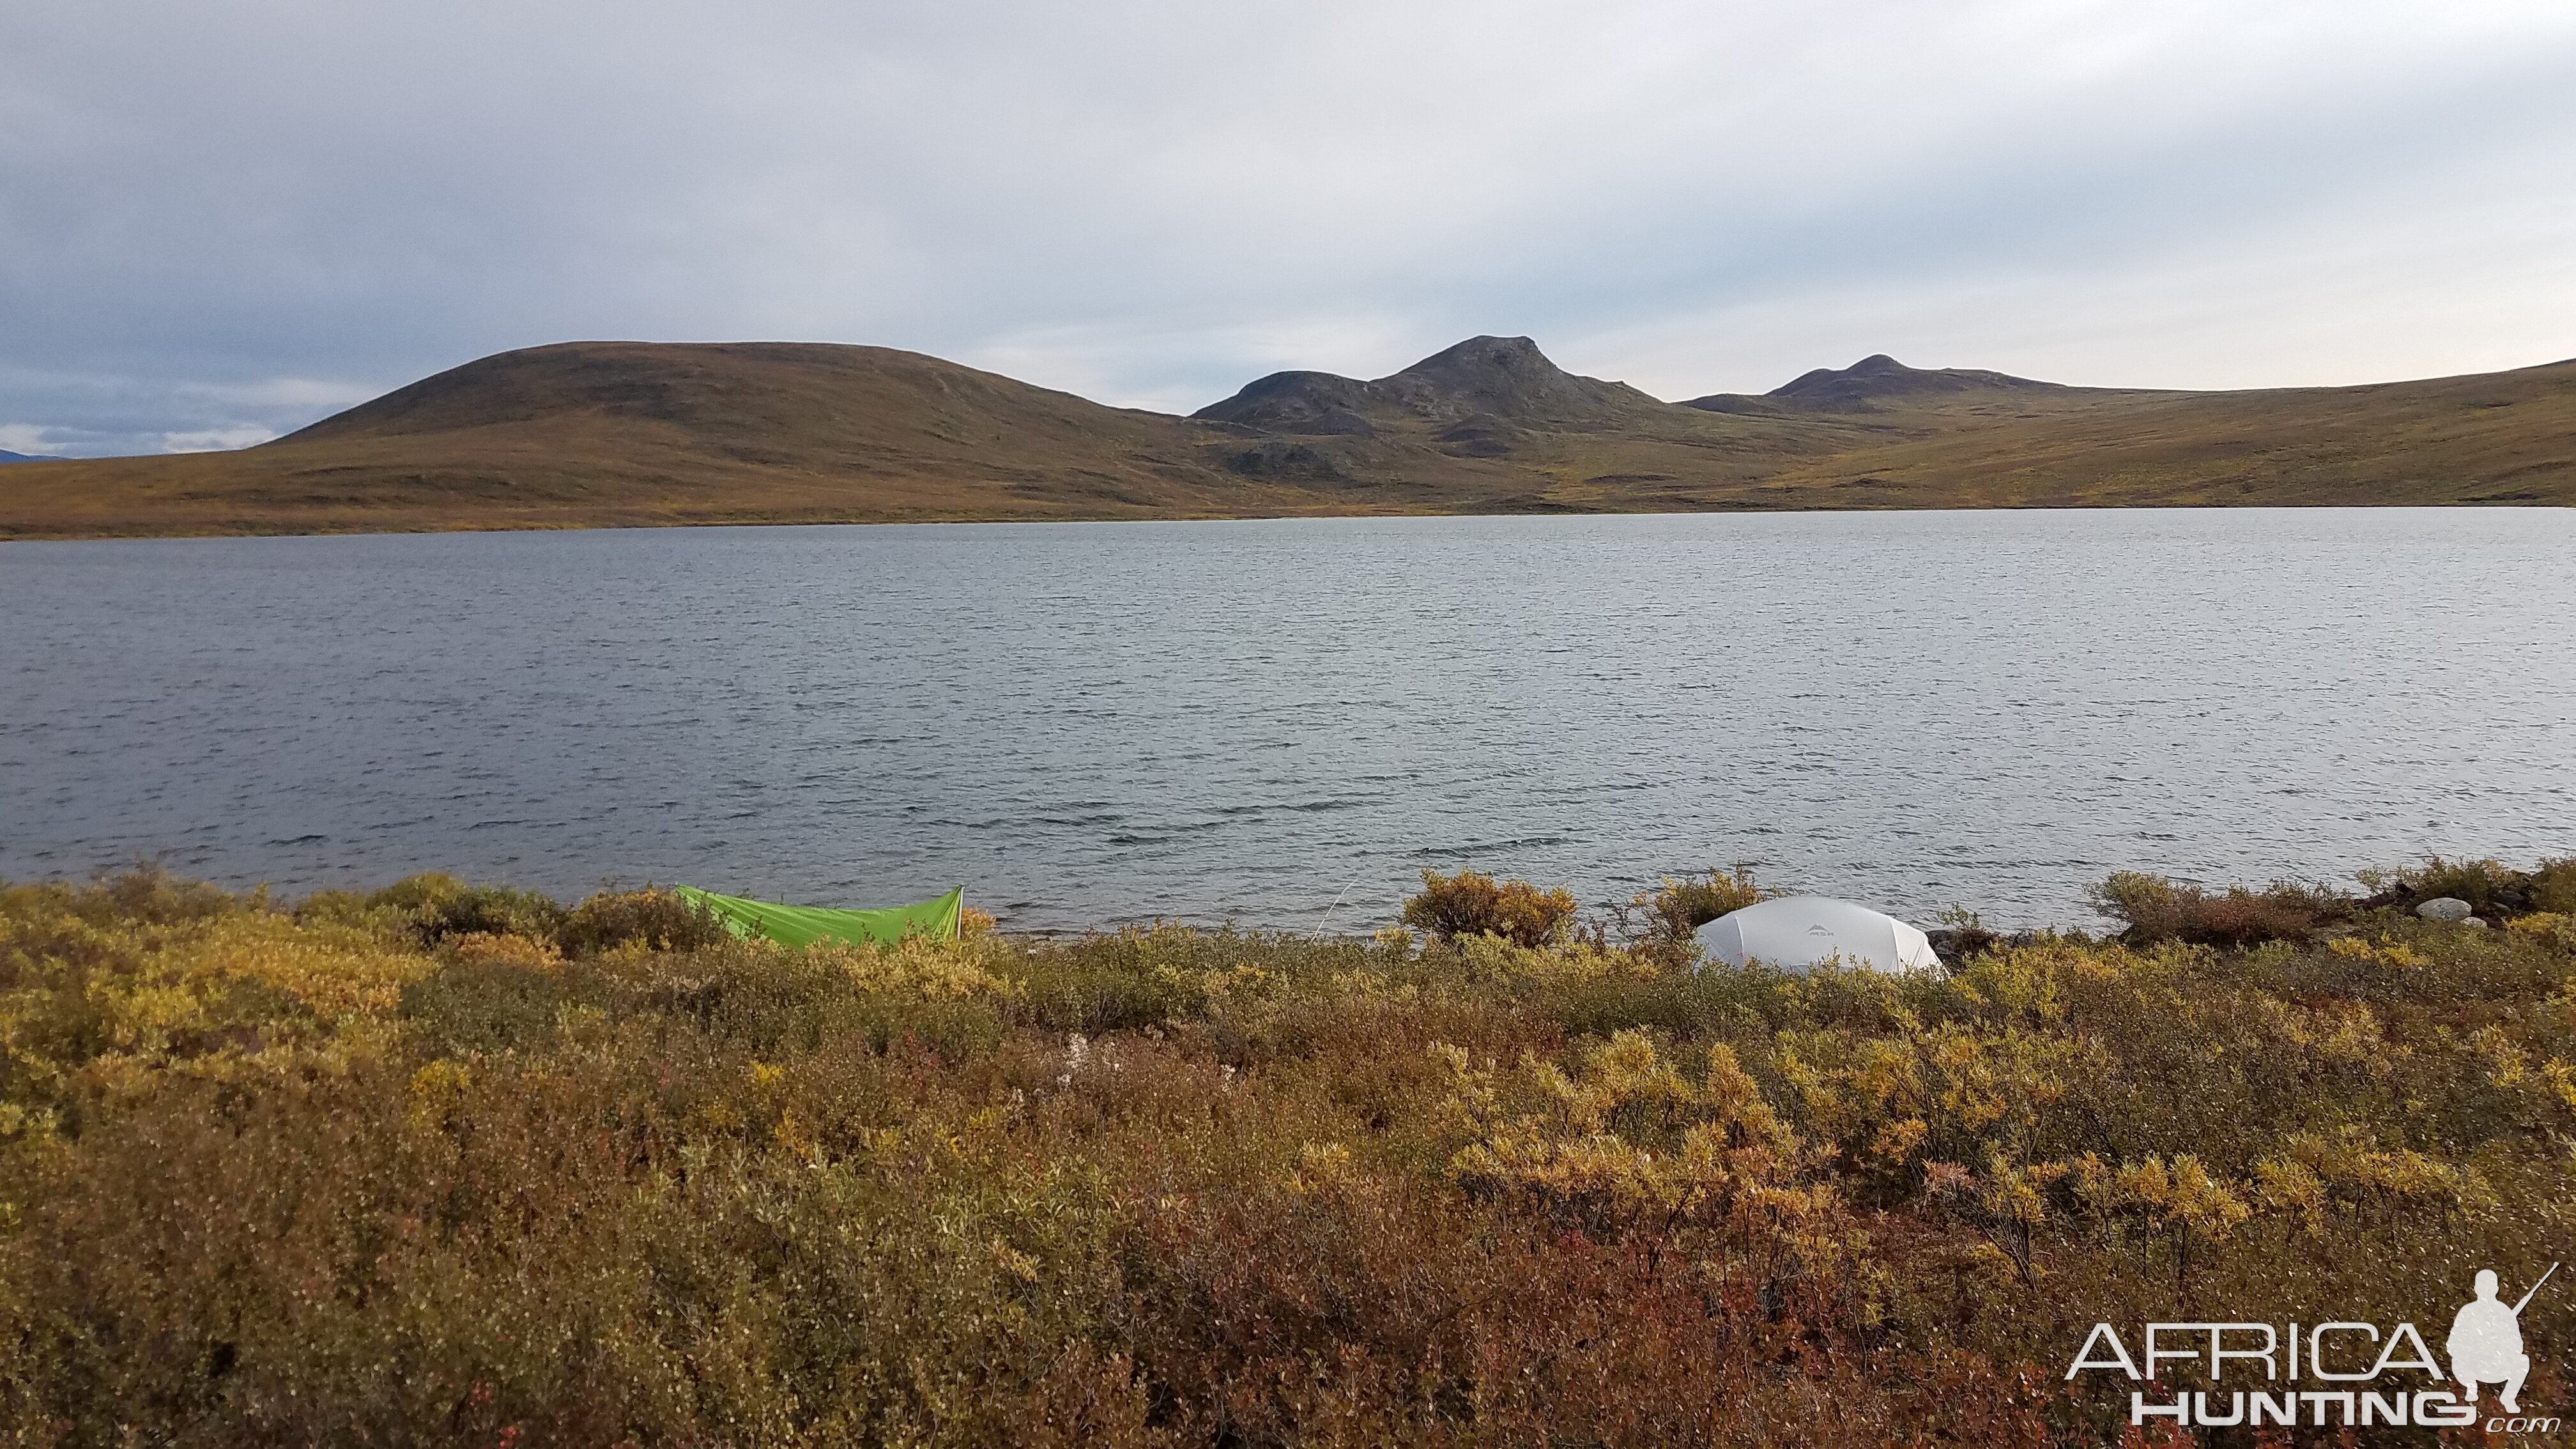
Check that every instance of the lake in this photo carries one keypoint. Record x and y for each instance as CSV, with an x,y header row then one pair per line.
x,y
1089,724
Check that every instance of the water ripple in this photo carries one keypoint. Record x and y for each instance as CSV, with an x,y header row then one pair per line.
x,y
1105,722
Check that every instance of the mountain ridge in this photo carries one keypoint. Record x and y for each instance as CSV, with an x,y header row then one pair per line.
x,y
1506,378
1878,382
591,434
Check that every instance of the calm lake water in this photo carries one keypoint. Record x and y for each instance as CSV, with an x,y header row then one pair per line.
x,y
1097,723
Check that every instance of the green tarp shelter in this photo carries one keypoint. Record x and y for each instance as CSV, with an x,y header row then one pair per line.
x,y
805,925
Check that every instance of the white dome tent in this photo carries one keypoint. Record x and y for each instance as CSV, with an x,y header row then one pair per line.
x,y
1797,934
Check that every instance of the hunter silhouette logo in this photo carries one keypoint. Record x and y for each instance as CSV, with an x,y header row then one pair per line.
x,y
2486,1341
2362,1373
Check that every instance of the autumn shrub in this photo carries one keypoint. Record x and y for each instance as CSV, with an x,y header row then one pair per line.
x,y
2494,891
656,919
1963,935
2491,888
1123,981
435,906
1472,904
151,895
483,1002
2156,909
329,1178
2553,886
1341,1306
1681,905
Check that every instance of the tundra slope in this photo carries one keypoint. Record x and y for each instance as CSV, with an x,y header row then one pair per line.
x,y
604,434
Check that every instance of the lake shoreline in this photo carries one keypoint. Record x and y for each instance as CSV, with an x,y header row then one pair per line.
x,y
1726,510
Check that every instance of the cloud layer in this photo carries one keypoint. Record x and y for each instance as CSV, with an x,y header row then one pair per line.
x,y
221,222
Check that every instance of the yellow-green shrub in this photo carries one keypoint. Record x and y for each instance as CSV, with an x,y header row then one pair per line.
x,y
656,919
1470,904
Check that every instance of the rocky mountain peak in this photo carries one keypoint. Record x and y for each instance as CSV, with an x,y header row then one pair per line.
x,y
1497,378
1508,378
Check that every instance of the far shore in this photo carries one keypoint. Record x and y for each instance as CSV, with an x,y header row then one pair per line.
x,y
366,530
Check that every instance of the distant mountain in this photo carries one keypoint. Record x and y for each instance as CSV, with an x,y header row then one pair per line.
x,y
9,457
1504,379
595,434
628,433
1870,382
1485,398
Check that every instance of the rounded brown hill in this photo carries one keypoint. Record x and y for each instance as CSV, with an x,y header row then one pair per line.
x,y
1882,376
634,433
784,398
1880,380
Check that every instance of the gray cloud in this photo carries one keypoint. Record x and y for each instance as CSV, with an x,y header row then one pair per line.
x,y
218,222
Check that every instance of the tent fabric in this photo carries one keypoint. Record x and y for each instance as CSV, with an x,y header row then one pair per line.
x,y
805,925
1797,934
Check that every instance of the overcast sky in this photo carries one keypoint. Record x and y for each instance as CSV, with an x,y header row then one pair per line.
x,y
223,220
